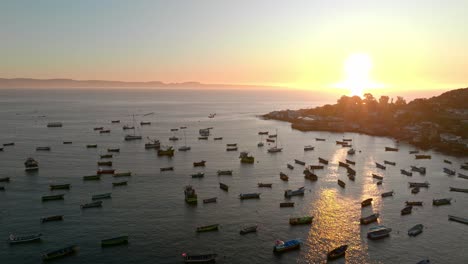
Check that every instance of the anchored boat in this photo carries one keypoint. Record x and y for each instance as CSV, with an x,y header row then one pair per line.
x,y
91,205
208,228
300,220
369,219
281,246
244,196
205,258
337,252
249,229
190,196
101,196
60,252
24,239
290,193
114,241
378,232
415,230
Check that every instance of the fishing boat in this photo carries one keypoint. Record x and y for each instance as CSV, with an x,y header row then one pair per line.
x,y
92,178
153,144
54,124
380,166
199,138
114,241
284,177
463,176
113,150
231,149
387,194
67,142
352,177
206,258
104,163
98,128
199,163
223,186
422,156
414,203
375,176
390,149
208,228
341,183
270,140
458,219
378,232
59,253
122,174
444,201
91,146
415,230
337,252
52,197
287,204
9,144
260,144
281,246
204,132
174,129
301,220
127,127
290,193
407,210
421,170
366,202
449,171
453,189
231,145
167,169
310,175
342,164
351,152
350,162
265,185
101,196
319,139
190,195
407,173
134,136
106,156
105,171
12,239
210,200
419,184
248,229
291,167
340,142
275,149
308,148
224,172
31,165
145,123
122,183
299,162
389,162
91,205
369,219
323,161
273,136
198,175
245,157
244,196
43,149
52,218
59,186
263,133
115,121
107,131
169,151
316,167
447,161
413,151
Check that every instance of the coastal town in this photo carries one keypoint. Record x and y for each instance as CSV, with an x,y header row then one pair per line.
x,y
439,123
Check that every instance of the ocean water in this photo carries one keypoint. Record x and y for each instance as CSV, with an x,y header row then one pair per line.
x,y
152,211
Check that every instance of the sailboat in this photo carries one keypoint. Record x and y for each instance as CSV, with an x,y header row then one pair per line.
x,y
260,144
184,147
275,148
133,137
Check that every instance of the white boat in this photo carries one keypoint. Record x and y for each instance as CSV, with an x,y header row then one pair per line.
x,y
24,239
275,149
185,147
378,232
134,136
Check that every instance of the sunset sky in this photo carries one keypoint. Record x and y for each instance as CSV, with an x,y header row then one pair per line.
x,y
321,44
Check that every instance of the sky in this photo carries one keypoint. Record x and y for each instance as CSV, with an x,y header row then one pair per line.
x,y
316,45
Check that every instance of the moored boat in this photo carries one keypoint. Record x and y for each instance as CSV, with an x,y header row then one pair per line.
x,y
341,183
224,172
145,123
248,229
115,121
301,220
444,201
200,138
101,196
310,175
415,230
309,148
342,164
351,152
284,177
290,193
299,162
421,170
337,252
106,156
8,144
231,145
291,167
223,186
52,197
319,139
415,190
92,178
153,144
52,218
413,151
122,174
463,176
218,138
12,239
287,204
191,196
98,128
414,203
375,176
113,150
263,133
169,151
198,175
122,183
407,210
54,124
59,253
91,146
407,173
244,196
378,232
422,156
199,163
323,161
132,137
107,131
387,194
246,158
166,169
352,177
208,228
114,241
105,171
419,184
369,219
449,171
380,166
91,205
266,185
447,161
59,186
453,189
366,202
31,165
104,163
390,149
389,162
210,200
316,167
281,246
231,149
205,258
270,140
458,219
350,162
43,148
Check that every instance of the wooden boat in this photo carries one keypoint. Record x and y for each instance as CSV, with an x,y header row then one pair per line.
x,y
453,189
244,196
127,127
218,138
91,205
389,162
319,139
301,220
308,148
421,170
316,167
380,166
310,175
24,239
231,145
52,218
198,175
54,124
390,149
231,149
463,176
407,173
131,137
415,230
114,184
9,144
369,219
284,177
98,128
31,165
145,123
224,172
52,197
263,133
350,162
59,186
287,204
43,149
266,185
91,146
379,182
113,150
337,252
167,169
115,121
166,152
101,196
290,193
447,161
414,203
248,229
92,178
291,167
174,129
458,219
419,184
342,164
366,202
202,138
191,196
107,131
341,183
351,152
407,210
387,194
281,246
246,158
153,145
114,241
122,174
350,171
210,200
413,151
449,171
208,228
340,142
422,156
106,156
415,190
323,161
106,171
59,253
375,176
199,164
206,258
352,177
378,232
272,136
223,186
299,162
104,163
443,201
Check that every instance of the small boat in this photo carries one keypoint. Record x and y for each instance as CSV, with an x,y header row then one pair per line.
x,y
275,150
407,173
347,140
202,138
342,164
290,193
199,163
248,229
54,124
113,150
145,123
319,139
387,194
224,172
52,218
270,140
299,162
341,183
350,162
43,149
52,197
122,183
310,175
132,137
101,196
425,261
106,156
379,182
366,202
389,162
272,136
91,146
115,121
126,127
419,184
246,158
167,169
352,177
67,142
380,166
107,171
223,186
444,201
31,165
91,205
153,144
447,161
206,258
24,239
390,149
458,219
350,171
281,246
309,148
231,149
375,176
208,228
291,167
449,171
9,144
198,175
211,115
422,156
114,241
266,185
287,204
301,220
231,145
92,178
351,152
98,128
122,174
378,232
59,253
107,131
340,142
260,144
244,196
284,177
191,196
463,176
174,129
316,167
453,189
323,161
407,210
421,170
263,133
166,152
218,138
337,252
413,151
59,186
204,132
210,200
415,230
369,219
104,163
414,203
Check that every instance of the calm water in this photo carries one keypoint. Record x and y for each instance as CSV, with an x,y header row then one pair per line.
x,y
152,211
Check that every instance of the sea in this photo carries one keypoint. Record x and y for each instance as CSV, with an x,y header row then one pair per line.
x,y
151,209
